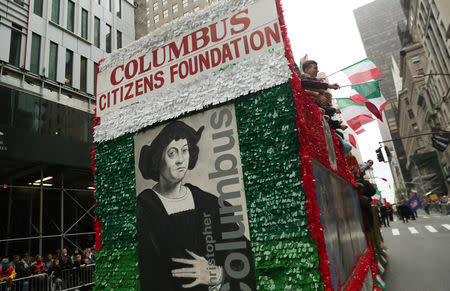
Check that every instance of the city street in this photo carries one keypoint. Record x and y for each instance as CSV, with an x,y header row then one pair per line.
x,y
419,254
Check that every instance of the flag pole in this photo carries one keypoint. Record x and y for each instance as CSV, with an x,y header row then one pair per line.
x,y
359,83
346,68
333,74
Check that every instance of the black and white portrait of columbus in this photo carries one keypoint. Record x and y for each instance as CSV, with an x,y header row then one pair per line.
x,y
185,241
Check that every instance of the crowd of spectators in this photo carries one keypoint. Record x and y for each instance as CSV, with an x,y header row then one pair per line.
x,y
57,267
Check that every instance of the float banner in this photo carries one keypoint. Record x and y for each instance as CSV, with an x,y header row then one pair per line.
x,y
223,42
192,219
341,218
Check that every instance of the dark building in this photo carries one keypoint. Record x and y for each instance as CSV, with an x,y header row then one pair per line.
x,y
377,23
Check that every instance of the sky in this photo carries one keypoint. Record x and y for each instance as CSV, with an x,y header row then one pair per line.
x,y
326,30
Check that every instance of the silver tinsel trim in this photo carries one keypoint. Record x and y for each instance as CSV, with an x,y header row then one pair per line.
x,y
250,75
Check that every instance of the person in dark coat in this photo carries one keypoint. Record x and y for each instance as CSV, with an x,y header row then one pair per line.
x,y
404,211
54,272
23,269
384,215
66,271
366,191
390,212
182,244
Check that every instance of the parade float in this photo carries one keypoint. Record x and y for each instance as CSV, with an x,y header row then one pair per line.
x,y
265,199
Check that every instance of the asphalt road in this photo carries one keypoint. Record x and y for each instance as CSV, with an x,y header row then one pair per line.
x,y
419,254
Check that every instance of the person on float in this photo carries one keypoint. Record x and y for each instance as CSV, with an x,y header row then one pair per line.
x,y
176,221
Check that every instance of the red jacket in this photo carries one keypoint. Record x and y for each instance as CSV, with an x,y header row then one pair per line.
x,y
10,274
39,268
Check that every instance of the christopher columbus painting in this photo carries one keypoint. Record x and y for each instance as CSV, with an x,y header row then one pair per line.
x,y
184,241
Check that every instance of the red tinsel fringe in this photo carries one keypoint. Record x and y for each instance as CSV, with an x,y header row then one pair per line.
x,y
97,220
307,138
313,146
363,271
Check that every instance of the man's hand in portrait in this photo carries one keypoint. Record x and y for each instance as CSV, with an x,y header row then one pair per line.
x,y
203,272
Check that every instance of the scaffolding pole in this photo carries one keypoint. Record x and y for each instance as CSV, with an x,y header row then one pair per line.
x,y
8,226
62,211
47,236
41,211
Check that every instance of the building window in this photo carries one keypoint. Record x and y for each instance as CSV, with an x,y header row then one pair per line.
x,y
38,7
194,1
406,101
156,19
175,8
164,2
155,6
35,53
196,8
119,8
119,39
415,127
83,74
16,45
108,38
410,114
97,32
148,23
53,61
108,5
165,13
70,15
95,76
84,24
69,67
55,10
185,3
148,10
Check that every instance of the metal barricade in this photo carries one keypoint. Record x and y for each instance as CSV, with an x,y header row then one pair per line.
x,y
70,279
31,283
75,278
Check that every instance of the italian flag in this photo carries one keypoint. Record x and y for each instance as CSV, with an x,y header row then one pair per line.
x,y
362,72
369,94
376,198
356,115
351,138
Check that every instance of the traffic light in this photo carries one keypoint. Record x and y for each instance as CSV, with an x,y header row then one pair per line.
x,y
388,153
440,140
419,72
380,155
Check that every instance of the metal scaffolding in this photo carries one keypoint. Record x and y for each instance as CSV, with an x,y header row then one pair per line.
x,y
65,233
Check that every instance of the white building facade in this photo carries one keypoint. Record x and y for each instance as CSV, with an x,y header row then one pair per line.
x,y
63,40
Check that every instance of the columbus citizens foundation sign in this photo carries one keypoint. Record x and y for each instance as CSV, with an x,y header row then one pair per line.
x,y
226,41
